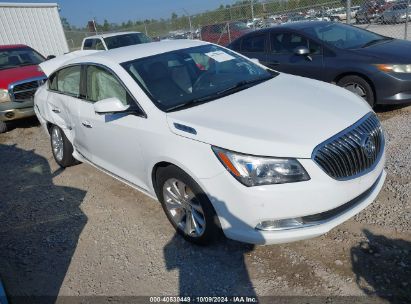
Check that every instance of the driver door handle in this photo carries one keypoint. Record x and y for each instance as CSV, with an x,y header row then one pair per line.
x,y
87,124
56,110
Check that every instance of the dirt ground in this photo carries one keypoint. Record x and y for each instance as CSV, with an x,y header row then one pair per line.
x,y
79,232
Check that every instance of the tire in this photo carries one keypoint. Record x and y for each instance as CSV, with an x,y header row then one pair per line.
x,y
359,86
196,206
3,127
61,147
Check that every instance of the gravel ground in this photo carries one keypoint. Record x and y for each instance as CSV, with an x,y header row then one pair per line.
x,y
78,232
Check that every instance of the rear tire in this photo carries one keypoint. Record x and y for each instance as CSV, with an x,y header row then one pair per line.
x,y
3,127
359,86
182,199
61,147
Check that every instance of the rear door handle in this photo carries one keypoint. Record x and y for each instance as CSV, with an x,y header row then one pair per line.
x,y
87,124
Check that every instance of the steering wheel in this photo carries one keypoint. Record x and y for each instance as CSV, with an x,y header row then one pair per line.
x,y
204,81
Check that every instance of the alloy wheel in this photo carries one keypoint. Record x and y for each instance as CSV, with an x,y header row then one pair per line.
x,y
183,207
57,143
356,89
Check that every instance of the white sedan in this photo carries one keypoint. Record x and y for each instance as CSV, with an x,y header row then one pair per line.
x,y
222,142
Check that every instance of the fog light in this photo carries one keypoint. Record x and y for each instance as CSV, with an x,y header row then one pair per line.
x,y
9,115
272,225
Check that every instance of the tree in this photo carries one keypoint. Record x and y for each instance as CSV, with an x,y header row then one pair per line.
x,y
66,24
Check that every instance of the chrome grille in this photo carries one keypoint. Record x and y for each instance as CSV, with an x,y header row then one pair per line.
x,y
24,90
352,152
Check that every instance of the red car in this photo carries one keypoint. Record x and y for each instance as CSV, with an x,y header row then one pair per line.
x,y
224,33
20,76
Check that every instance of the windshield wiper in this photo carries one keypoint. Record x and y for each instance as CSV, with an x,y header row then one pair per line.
x,y
375,41
241,85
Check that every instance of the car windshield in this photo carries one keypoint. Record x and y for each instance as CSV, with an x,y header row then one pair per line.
x,y
186,77
343,36
239,26
126,40
12,58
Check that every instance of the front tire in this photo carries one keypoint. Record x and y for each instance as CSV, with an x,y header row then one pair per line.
x,y
186,206
358,86
61,147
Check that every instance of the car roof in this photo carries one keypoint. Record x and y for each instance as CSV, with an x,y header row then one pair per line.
x,y
111,34
298,25
132,52
13,46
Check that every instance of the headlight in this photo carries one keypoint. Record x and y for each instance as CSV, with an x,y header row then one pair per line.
x,y
4,96
255,171
394,68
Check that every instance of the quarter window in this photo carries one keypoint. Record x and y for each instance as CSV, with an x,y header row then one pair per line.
x,y
101,84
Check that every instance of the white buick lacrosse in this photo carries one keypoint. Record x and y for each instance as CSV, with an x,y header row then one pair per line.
x,y
222,142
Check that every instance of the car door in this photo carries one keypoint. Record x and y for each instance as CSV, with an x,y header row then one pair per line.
x,y
282,56
110,141
64,90
254,46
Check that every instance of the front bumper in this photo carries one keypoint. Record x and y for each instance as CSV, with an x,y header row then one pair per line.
x,y
393,88
240,209
16,110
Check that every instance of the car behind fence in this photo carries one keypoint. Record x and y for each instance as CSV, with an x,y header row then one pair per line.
x,y
223,25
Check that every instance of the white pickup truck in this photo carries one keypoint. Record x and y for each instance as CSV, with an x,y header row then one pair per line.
x,y
105,42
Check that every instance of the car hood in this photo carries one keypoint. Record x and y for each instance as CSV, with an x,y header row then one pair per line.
x,y
394,51
16,74
287,116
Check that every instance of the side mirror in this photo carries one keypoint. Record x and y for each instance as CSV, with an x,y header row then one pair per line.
x,y
302,50
255,60
50,57
109,106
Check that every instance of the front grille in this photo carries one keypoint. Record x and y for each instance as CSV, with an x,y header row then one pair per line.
x,y
23,91
352,152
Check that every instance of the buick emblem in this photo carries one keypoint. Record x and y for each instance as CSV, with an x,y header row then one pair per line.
x,y
368,145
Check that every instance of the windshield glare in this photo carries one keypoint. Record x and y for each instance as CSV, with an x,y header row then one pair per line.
x,y
12,58
126,40
176,78
342,36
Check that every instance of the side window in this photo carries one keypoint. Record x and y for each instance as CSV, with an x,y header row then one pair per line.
x,y
99,45
101,84
67,81
253,43
315,48
88,44
286,43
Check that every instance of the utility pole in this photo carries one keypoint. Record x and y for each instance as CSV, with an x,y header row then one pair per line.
x,y
189,21
348,11
407,16
252,12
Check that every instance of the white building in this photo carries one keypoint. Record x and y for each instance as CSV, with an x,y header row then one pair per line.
x,y
37,25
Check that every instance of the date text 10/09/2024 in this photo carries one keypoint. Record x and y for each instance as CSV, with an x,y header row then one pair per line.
x,y
199,299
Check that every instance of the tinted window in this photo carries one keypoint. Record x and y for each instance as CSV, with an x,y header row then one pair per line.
x,y
93,44
66,81
253,43
101,84
286,43
342,35
126,40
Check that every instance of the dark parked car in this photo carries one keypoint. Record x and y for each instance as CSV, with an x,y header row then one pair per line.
x,y
373,66
371,11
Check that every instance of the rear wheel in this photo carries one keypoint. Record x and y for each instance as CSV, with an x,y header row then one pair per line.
x,y
3,127
358,86
187,207
61,147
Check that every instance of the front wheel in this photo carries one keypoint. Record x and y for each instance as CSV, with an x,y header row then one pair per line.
x,y
186,206
358,86
61,147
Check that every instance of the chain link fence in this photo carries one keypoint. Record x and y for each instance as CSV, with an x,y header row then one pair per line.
x,y
385,17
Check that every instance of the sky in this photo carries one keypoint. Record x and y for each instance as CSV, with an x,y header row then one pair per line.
x,y
78,12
